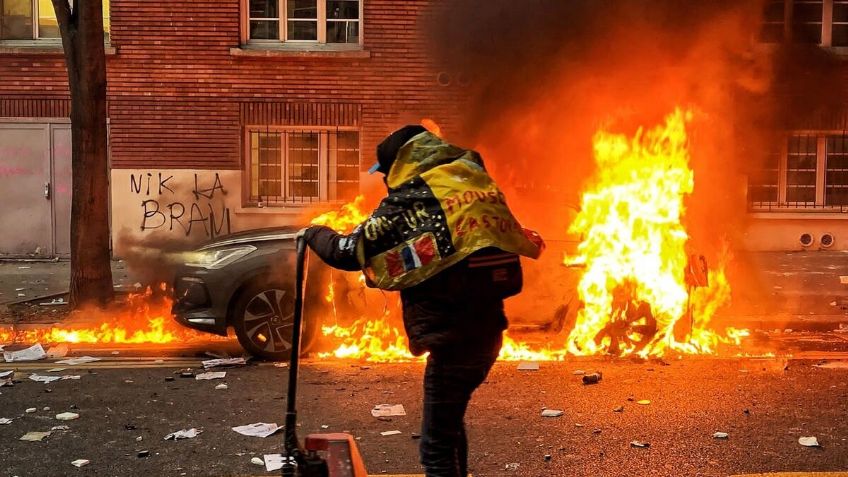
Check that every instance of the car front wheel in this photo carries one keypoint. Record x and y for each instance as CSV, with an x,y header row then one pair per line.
x,y
263,320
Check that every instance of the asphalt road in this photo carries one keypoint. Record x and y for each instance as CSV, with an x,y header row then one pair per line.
x,y
690,399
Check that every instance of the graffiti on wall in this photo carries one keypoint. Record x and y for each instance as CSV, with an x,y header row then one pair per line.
x,y
166,206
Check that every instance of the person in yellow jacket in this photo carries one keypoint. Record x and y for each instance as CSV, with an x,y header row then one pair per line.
x,y
446,239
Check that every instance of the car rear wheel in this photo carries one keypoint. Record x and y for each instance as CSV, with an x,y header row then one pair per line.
x,y
263,320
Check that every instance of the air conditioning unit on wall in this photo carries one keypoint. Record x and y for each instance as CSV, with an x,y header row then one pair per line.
x,y
826,240
807,240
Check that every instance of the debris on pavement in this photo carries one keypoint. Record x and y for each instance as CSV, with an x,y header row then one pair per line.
x,y
593,378
273,462
528,366
60,428
512,466
5,420
281,365
67,416
548,457
257,429
212,363
183,434
578,372
643,402
56,370
58,351
80,462
833,365
257,461
186,373
551,413
809,441
33,353
390,433
30,410
618,409
35,436
44,379
388,410
78,360
211,375
142,454
222,386
640,444
54,302
720,435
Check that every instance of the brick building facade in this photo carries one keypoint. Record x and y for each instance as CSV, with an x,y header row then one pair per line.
x,y
223,114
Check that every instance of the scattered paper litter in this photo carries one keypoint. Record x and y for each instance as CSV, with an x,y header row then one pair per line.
x,y
79,360
67,416
44,379
33,353
54,302
390,433
183,434
551,413
5,420
56,370
578,372
273,462
720,435
35,436
808,441
528,366
212,363
60,428
222,386
80,462
257,461
58,351
30,410
6,374
257,429
281,365
211,375
639,444
387,410
643,402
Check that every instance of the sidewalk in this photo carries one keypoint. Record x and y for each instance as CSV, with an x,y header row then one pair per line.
x,y
29,280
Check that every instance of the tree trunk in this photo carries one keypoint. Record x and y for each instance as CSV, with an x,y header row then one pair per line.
x,y
82,39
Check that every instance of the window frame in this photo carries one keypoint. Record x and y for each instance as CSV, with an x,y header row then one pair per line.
x,y
327,165
820,204
321,38
37,41
826,25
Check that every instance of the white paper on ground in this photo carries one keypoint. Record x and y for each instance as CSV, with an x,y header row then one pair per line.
x,y
5,374
720,435
34,436
44,379
183,434
56,370
829,365
79,360
528,366
211,375
5,420
390,433
551,413
80,462
211,363
257,429
67,416
33,353
808,441
273,462
387,410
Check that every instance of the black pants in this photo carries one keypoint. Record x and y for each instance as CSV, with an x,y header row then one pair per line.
x,y
449,380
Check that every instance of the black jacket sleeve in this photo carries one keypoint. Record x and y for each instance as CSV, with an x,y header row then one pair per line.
x,y
336,250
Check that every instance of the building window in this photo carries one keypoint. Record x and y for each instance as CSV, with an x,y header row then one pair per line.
x,y
34,20
817,22
297,166
805,171
305,21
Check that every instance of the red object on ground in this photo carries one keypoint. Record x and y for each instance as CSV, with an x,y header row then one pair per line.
x,y
343,458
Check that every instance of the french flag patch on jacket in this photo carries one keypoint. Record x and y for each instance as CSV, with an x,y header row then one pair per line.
x,y
412,255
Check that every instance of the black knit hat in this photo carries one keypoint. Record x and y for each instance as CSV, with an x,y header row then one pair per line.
x,y
388,149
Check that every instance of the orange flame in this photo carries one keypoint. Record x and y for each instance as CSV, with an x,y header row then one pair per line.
x,y
636,299
144,319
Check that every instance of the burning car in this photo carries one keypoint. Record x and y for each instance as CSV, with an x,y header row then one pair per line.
x,y
246,281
